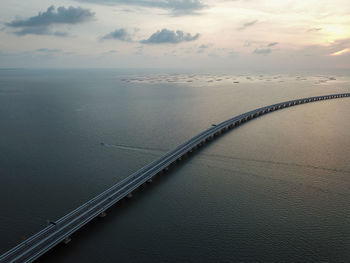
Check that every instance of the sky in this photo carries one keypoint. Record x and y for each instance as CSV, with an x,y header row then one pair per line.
x,y
237,34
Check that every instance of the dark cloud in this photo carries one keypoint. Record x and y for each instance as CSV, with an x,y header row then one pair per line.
x,y
40,24
177,7
39,31
33,31
48,50
272,44
168,36
262,51
70,15
248,24
60,34
118,34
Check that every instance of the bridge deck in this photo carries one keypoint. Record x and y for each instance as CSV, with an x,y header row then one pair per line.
x,y
60,230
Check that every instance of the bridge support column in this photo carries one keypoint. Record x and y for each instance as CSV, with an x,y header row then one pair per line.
x,y
129,195
150,180
67,240
103,214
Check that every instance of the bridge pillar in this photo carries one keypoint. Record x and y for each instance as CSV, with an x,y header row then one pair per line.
x,y
129,195
150,180
67,240
103,214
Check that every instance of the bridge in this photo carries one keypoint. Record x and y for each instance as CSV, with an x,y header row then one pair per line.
x,y
61,230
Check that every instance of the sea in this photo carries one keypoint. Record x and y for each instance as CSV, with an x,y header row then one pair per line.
x,y
276,189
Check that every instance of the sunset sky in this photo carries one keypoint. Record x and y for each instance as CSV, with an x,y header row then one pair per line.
x,y
243,34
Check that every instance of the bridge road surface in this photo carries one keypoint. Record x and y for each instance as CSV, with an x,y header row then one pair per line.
x,y
60,230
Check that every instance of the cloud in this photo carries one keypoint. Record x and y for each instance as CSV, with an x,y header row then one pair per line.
x,y
139,50
118,34
71,15
33,31
39,31
262,51
262,48
203,46
168,36
341,52
177,7
248,24
60,34
272,44
336,48
48,50
40,24
314,29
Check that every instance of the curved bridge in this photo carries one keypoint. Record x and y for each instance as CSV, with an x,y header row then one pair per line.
x,y
60,230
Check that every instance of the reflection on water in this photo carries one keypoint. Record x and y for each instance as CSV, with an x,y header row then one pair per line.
x,y
273,190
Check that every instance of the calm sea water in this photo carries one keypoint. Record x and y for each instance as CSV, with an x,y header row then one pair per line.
x,y
274,190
